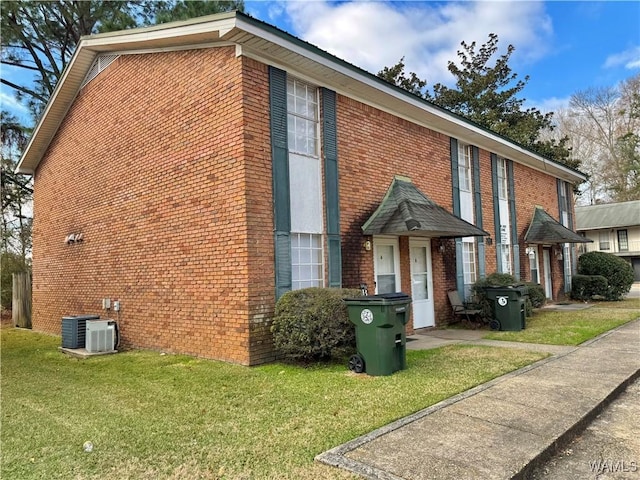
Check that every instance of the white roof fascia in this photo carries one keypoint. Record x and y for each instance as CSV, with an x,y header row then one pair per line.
x,y
546,166
205,30
56,109
88,48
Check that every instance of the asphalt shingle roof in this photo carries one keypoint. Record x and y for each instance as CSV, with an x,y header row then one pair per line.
x,y
546,230
405,210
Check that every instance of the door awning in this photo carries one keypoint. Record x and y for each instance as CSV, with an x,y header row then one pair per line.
x,y
405,210
545,230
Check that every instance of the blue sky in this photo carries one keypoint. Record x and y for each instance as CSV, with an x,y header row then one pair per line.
x,y
564,47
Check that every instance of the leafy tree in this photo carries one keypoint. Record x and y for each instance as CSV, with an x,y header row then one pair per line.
x,y
604,126
40,36
487,95
186,9
16,190
410,82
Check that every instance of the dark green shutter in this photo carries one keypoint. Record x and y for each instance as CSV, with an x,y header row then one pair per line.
x,y
496,209
571,226
564,205
332,204
280,174
478,209
455,180
513,221
455,188
560,202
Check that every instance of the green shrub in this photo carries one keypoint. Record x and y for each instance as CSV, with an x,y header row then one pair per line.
x,y
313,324
617,271
536,294
585,287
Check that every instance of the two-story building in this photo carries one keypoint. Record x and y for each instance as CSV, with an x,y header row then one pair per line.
x,y
195,171
613,228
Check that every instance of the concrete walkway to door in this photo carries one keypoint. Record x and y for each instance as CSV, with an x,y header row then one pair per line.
x,y
428,339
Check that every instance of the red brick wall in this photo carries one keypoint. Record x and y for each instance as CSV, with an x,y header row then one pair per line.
x,y
534,188
150,164
373,146
164,164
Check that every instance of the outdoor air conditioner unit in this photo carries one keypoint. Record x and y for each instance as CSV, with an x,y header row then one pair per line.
x,y
101,336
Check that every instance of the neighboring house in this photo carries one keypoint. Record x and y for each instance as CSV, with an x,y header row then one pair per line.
x,y
613,228
212,165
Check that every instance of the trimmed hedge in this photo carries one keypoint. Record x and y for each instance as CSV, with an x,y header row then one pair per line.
x,y
536,294
585,287
617,271
313,324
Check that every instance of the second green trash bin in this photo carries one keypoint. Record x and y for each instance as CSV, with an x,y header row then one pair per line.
x,y
508,305
380,322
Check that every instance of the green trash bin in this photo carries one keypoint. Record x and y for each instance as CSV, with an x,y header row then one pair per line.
x,y
380,322
508,306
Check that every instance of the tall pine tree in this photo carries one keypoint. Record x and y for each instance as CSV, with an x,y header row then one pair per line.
x,y
486,94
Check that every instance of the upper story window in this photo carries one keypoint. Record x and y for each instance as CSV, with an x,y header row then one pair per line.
x,y
623,241
502,179
604,241
305,183
464,167
302,109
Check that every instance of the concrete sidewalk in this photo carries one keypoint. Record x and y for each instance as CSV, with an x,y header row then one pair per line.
x,y
506,427
438,338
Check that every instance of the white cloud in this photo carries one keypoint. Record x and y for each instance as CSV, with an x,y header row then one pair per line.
x,y
630,59
10,103
553,104
376,34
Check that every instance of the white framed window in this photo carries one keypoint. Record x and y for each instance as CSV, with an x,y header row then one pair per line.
x,y
469,265
502,179
305,185
386,265
603,238
464,167
307,260
302,118
534,268
505,257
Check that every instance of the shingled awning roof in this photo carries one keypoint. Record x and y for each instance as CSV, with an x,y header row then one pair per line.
x,y
545,230
405,210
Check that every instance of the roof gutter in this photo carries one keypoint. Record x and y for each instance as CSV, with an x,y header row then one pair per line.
x,y
203,30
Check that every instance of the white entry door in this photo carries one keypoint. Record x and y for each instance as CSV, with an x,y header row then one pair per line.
x,y
386,264
546,262
421,283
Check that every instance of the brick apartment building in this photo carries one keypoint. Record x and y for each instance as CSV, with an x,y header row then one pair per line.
x,y
205,167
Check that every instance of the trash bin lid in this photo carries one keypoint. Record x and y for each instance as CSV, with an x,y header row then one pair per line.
x,y
394,296
383,298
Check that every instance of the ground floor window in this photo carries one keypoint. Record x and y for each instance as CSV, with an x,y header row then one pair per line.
x,y
505,257
469,266
532,253
307,266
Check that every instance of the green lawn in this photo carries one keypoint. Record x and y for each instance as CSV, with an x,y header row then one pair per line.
x,y
572,327
153,416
